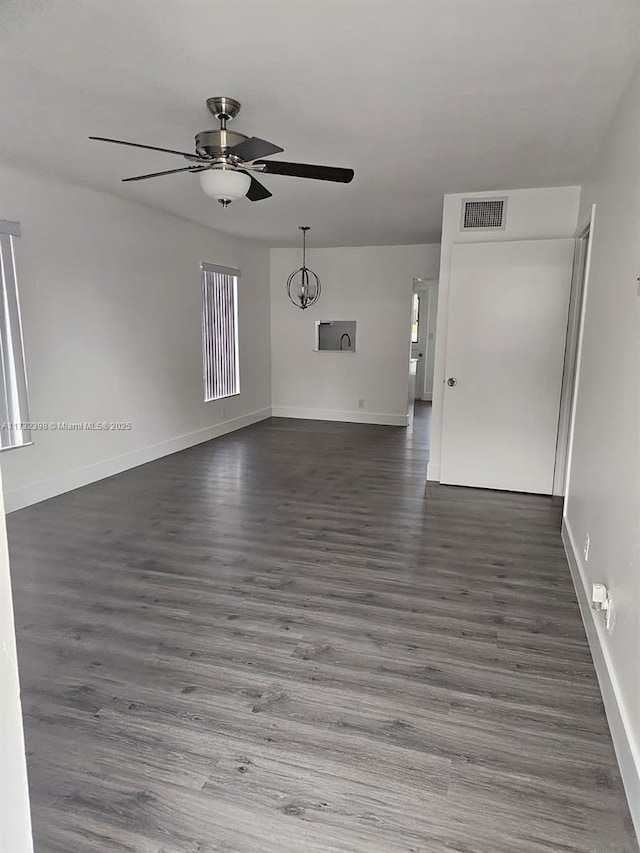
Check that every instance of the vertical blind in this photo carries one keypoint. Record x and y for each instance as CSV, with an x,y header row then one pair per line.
x,y
220,332
14,404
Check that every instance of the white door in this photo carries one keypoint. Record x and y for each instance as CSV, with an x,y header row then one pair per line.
x,y
506,334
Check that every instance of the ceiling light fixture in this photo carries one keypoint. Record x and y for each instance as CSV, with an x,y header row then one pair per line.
x,y
225,185
226,160
303,285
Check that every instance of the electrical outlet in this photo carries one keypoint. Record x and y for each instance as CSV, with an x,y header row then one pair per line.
x,y
601,601
585,548
223,413
361,404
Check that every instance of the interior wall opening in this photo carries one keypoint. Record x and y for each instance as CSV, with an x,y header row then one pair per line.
x,y
424,304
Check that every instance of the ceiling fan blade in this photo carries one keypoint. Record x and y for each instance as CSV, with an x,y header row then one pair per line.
x,y
148,147
168,172
257,191
254,147
305,170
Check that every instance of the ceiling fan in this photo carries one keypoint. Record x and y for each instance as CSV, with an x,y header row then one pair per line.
x,y
224,158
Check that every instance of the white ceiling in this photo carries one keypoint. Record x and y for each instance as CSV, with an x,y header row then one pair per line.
x,y
420,97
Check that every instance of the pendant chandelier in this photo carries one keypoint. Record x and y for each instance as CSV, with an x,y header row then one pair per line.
x,y
303,285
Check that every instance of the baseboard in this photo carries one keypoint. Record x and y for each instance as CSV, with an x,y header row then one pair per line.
x,y
45,489
433,471
357,417
617,717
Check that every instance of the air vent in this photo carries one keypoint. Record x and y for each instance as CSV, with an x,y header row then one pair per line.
x,y
486,214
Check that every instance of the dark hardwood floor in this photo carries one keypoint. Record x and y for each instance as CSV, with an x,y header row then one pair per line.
x,y
281,642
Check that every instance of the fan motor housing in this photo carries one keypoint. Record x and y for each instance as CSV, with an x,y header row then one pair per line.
x,y
213,143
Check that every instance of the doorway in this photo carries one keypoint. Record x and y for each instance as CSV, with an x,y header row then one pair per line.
x,y
571,355
423,335
424,308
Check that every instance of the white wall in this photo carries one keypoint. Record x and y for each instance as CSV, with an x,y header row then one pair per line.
x,y
371,285
603,494
111,301
15,821
533,214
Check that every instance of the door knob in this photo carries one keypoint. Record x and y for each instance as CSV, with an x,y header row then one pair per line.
x,y
419,355
451,381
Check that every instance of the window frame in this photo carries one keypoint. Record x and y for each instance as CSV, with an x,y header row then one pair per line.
x,y
216,317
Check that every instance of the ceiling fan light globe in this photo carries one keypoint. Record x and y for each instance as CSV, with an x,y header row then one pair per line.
x,y
224,185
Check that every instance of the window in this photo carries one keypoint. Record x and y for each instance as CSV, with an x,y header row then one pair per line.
x,y
14,405
415,318
220,332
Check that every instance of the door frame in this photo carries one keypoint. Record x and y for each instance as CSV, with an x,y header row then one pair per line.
x,y
573,353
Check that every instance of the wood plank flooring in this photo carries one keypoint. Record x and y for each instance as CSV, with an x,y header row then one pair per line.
x,y
281,642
